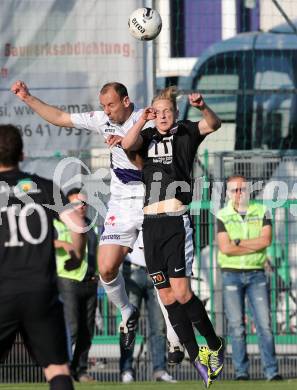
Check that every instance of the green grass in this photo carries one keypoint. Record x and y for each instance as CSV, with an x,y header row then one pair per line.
x,y
193,385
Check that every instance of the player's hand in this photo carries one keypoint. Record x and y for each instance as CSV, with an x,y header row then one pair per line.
x,y
196,100
149,114
20,89
73,263
113,140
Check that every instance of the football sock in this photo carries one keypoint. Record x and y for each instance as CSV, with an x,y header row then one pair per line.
x,y
184,329
61,382
197,314
116,293
172,337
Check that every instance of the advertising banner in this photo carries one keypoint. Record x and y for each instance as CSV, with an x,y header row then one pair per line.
x,y
65,51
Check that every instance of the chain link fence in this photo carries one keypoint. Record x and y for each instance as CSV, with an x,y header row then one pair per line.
x,y
276,174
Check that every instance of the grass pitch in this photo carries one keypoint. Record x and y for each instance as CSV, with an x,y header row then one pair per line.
x,y
182,385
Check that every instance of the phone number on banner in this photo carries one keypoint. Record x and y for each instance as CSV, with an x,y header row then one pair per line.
x,y
47,130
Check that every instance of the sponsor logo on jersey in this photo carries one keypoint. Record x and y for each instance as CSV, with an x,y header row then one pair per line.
x,y
26,186
178,269
110,221
161,150
158,278
22,188
109,130
110,237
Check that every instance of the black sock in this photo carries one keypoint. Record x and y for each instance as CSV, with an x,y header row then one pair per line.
x,y
61,382
197,314
183,328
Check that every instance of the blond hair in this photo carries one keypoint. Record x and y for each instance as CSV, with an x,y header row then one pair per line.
x,y
169,93
239,176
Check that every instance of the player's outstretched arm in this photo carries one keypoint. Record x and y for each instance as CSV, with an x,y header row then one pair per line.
x,y
133,140
210,122
49,113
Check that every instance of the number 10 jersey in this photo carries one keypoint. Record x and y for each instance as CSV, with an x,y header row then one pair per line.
x,y
27,254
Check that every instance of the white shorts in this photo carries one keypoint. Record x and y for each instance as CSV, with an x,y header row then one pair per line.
x,y
122,224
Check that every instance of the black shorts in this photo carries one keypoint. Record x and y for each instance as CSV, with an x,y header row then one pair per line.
x,y
39,318
168,247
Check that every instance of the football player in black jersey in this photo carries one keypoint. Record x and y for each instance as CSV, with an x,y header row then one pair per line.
x,y
29,301
168,151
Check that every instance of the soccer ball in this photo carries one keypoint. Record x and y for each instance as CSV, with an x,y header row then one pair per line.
x,y
145,24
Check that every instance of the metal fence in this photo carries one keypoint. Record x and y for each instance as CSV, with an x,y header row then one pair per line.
x,y
265,169
274,179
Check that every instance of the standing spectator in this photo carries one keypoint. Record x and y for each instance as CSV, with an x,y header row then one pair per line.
x,y
29,301
140,288
244,233
77,284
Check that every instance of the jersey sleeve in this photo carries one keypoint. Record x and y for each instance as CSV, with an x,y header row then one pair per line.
x,y
138,112
193,130
220,226
267,219
147,136
92,121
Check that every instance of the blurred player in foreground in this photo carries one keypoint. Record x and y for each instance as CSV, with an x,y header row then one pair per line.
x,y
29,301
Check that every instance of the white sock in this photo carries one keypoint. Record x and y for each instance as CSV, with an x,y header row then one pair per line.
x,y
116,293
172,337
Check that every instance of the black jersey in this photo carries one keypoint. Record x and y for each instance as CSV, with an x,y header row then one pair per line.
x,y
27,254
168,161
